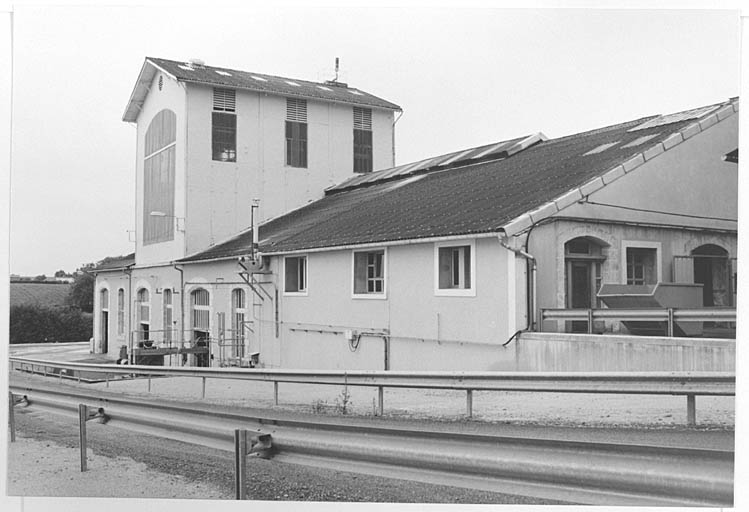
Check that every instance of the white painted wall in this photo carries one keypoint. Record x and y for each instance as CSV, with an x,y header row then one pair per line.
x,y
172,97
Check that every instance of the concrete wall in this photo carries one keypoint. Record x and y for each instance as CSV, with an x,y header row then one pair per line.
x,y
219,194
589,352
172,97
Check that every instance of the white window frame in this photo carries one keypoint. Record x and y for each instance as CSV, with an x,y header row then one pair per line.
x,y
637,244
370,295
120,312
301,293
454,292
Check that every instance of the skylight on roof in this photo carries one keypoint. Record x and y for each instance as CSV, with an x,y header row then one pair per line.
x,y
355,92
640,140
601,148
223,73
324,88
695,113
186,68
259,78
292,83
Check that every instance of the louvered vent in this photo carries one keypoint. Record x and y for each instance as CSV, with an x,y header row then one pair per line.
x,y
224,100
362,118
296,110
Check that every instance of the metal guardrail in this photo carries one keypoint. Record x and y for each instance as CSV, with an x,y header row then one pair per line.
x,y
689,384
667,315
575,471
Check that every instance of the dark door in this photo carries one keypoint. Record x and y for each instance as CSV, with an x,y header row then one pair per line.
x,y
104,332
579,291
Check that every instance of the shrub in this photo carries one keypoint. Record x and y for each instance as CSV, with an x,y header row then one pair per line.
x,y
40,324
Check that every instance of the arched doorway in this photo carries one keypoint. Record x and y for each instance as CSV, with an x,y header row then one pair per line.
x,y
104,320
200,302
583,259
712,270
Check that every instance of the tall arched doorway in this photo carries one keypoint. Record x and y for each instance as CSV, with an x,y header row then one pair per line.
x,y
712,270
583,259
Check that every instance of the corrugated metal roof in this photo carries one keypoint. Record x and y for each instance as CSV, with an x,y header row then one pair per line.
x,y
470,199
236,79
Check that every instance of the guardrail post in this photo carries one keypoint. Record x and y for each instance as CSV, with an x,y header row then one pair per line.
x,y
691,411
381,400
240,463
590,321
670,331
82,417
469,403
106,376
275,392
11,416
149,382
202,392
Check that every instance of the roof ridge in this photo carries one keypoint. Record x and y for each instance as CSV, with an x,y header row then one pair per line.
x,y
188,63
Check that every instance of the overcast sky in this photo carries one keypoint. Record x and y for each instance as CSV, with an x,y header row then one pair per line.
x,y
464,77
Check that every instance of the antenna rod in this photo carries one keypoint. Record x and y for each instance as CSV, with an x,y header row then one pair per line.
x,y
336,69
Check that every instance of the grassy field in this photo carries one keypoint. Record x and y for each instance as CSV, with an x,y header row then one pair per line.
x,y
40,294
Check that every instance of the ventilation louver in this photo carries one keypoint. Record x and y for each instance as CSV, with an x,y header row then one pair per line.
x,y
224,100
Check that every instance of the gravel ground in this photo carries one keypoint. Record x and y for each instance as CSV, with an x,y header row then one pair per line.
x,y
45,462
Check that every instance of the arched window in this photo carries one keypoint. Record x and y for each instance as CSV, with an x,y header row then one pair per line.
x,y
168,314
158,178
143,310
200,302
121,311
239,310
104,300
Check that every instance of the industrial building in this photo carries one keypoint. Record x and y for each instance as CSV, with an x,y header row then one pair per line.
x,y
354,262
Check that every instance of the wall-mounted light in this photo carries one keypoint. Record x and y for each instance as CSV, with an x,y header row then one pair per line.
x,y
180,220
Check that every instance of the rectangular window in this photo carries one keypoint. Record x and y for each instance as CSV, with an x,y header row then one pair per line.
x,y
295,274
167,315
369,272
120,311
641,265
454,269
296,132
362,140
224,133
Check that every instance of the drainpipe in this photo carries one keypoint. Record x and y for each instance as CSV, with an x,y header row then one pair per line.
x,y
129,272
502,237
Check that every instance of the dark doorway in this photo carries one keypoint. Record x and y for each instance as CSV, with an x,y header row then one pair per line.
x,y
104,332
712,270
583,259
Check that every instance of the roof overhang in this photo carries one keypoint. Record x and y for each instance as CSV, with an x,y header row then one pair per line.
x,y
141,90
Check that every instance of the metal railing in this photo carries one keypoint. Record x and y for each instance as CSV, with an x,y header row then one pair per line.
x,y
689,384
668,315
583,470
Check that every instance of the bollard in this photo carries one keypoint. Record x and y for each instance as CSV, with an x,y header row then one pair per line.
x,y
381,400
106,376
275,392
240,463
202,395
469,403
691,411
149,382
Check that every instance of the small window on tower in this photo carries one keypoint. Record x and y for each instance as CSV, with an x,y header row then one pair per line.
x,y
296,132
224,125
362,140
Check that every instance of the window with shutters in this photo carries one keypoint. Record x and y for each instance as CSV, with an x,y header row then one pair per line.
x,y
369,274
158,178
224,125
362,140
295,275
296,132
455,265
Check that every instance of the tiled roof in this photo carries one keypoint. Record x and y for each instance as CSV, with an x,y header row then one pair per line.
x,y
472,199
236,79
116,262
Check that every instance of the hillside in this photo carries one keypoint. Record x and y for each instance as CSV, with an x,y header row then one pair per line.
x,y
38,293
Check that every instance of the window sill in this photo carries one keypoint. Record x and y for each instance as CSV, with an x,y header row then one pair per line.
x,y
455,292
369,296
295,294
